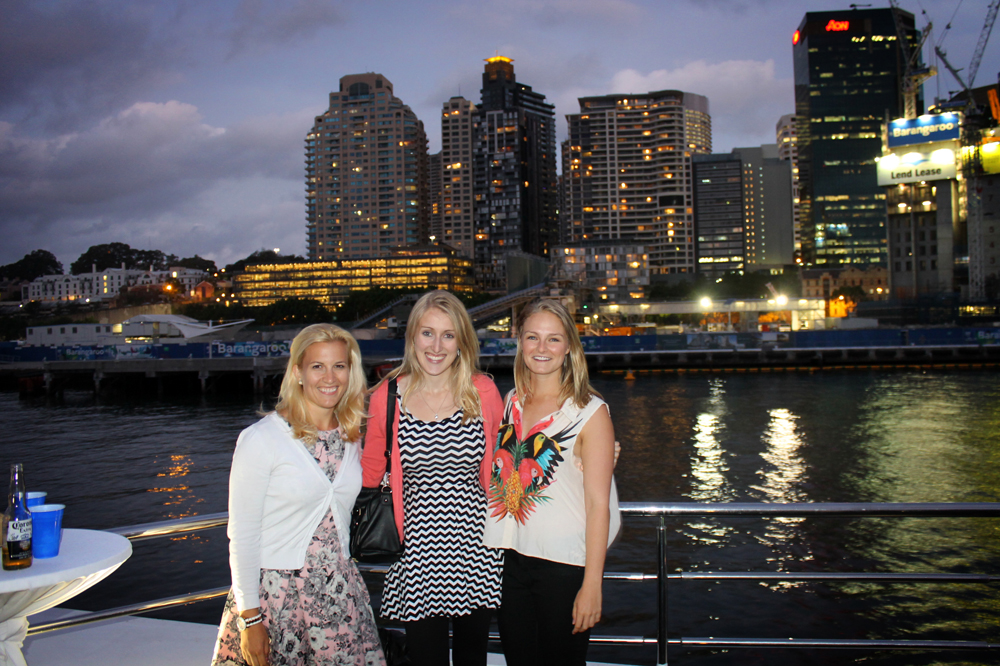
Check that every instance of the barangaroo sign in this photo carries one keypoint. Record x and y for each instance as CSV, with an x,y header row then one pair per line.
x,y
925,129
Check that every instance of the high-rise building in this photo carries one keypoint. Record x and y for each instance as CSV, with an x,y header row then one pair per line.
x,y
788,149
516,196
458,125
366,173
743,211
630,173
767,208
849,69
434,195
718,213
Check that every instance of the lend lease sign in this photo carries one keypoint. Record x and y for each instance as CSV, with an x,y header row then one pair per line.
x,y
925,129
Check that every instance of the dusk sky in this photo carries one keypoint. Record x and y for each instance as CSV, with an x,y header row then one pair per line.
x,y
179,126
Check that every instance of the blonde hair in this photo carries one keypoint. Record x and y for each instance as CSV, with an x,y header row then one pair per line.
x,y
350,409
575,379
465,365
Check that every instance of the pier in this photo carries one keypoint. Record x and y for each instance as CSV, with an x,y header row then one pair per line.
x,y
262,374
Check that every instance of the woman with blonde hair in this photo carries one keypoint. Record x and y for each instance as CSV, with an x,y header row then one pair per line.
x,y
297,596
446,418
553,504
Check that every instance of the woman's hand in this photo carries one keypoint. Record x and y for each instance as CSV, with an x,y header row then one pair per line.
x,y
587,608
255,645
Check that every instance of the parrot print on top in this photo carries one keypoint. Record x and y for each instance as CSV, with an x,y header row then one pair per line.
x,y
523,469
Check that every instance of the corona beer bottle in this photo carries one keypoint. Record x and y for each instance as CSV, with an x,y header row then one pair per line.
x,y
17,523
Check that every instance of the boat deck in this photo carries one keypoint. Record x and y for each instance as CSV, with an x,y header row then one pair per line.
x,y
133,641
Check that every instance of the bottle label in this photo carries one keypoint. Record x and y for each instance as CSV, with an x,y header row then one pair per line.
x,y
19,530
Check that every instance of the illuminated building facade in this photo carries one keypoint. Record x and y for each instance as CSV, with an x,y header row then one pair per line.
x,y
823,282
743,211
927,232
630,174
788,150
330,282
516,196
458,131
606,271
109,283
366,173
848,76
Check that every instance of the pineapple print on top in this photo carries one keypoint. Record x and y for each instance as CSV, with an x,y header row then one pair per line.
x,y
523,469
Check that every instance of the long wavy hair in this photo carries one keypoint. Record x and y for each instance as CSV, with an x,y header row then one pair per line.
x,y
465,365
574,379
350,409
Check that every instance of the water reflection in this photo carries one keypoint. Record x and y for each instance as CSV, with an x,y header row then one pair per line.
x,y
708,463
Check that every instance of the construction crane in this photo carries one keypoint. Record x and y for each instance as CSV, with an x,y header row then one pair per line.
x,y
971,159
913,76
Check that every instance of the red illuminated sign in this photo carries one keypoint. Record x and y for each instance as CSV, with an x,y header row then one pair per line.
x,y
837,26
795,38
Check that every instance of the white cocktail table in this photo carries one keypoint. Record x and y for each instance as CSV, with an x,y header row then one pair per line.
x,y
85,558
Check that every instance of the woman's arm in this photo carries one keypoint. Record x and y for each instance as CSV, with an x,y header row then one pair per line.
x,y
597,442
248,482
373,453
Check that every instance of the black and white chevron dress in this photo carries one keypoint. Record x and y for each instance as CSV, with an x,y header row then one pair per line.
x,y
445,569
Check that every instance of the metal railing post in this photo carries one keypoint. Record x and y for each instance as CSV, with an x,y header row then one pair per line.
x,y
661,592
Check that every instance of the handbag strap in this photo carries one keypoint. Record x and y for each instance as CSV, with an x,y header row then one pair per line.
x,y
390,419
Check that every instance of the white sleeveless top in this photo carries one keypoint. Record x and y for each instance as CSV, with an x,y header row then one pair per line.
x,y
536,500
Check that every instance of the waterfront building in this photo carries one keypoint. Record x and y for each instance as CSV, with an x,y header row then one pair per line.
x,y
743,211
105,285
366,173
823,282
849,70
630,173
919,170
515,208
718,213
788,149
455,173
330,282
601,270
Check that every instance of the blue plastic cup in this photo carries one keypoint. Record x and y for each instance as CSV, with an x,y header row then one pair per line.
x,y
46,532
36,497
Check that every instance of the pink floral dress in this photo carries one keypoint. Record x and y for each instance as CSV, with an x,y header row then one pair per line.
x,y
318,615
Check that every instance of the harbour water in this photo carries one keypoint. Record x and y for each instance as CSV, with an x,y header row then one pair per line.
x,y
793,437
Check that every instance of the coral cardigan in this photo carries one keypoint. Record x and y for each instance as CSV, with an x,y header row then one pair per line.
x,y
373,455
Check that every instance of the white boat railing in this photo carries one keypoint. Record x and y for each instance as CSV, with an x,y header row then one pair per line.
x,y
661,511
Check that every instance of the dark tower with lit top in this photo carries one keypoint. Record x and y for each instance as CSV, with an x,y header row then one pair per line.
x,y
516,189
848,79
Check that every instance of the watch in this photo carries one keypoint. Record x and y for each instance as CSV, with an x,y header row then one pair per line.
x,y
243,622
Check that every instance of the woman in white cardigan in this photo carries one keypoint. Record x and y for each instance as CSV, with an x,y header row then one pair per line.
x,y
297,596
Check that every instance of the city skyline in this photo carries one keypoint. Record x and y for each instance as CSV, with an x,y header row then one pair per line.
x,y
180,128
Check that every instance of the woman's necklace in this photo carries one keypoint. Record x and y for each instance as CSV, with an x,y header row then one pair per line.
x,y
440,407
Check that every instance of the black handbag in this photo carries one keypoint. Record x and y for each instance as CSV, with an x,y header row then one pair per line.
x,y
374,537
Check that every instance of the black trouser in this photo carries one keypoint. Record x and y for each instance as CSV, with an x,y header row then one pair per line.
x,y
427,639
536,612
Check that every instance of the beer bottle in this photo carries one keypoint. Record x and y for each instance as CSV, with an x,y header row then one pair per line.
x,y
17,523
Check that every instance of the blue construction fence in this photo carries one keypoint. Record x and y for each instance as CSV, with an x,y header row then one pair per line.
x,y
14,352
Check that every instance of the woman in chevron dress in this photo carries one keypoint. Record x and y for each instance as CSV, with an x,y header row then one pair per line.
x,y
446,422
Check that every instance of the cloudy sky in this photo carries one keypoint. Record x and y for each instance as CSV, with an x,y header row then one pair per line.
x,y
179,125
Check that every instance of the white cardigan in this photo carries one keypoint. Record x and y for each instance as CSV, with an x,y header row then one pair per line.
x,y
278,495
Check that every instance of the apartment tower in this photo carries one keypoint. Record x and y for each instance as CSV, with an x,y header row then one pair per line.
x,y
366,173
849,69
516,197
630,173
788,150
458,125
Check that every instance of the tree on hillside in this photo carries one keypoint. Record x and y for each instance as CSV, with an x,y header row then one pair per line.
x,y
361,303
294,311
113,255
197,263
33,265
263,257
